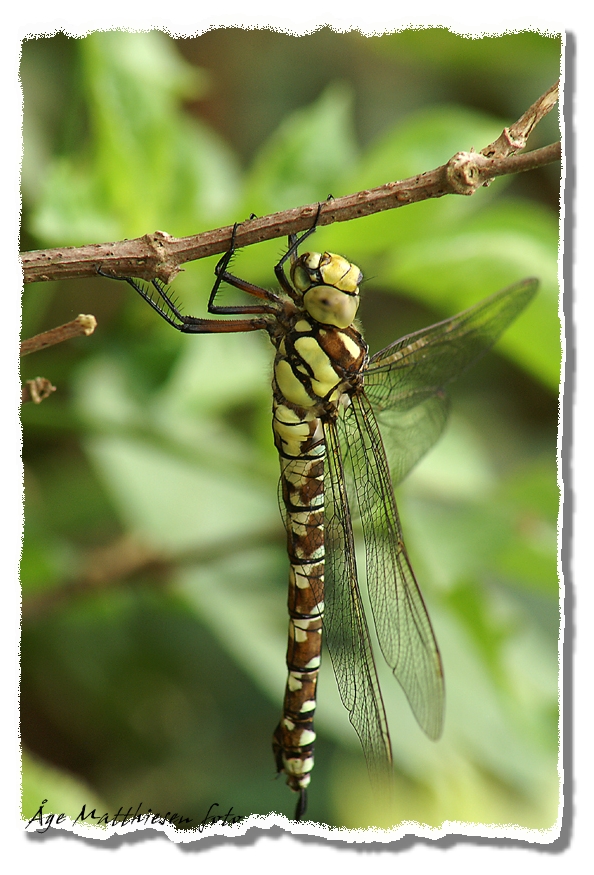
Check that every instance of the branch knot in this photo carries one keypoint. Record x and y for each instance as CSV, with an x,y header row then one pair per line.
x,y
462,173
158,243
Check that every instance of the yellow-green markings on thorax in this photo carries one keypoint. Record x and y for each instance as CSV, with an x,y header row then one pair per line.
x,y
312,358
316,359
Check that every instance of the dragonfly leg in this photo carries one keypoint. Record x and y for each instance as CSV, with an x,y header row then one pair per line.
x,y
163,302
166,306
294,243
223,276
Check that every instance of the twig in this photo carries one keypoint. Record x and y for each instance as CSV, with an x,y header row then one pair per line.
x,y
467,171
128,560
514,138
36,390
159,255
81,325
39,388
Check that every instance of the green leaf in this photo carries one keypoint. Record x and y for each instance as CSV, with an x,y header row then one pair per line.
x,y
511,241
63,793
307,155
147,165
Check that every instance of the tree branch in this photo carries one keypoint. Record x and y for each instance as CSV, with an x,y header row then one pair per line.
x,y
159,255
36,390
128,560
514,138
81,325
39,388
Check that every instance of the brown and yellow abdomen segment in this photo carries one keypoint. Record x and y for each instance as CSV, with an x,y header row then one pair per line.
x,y
294,737
301,448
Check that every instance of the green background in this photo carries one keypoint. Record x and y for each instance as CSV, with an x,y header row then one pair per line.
x,y
154,571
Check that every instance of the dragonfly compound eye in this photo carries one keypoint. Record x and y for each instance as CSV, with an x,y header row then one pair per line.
x,y
338,272
305,272
316,268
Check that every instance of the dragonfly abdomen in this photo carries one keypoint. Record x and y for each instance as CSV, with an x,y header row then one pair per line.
x,y
314,365
302,449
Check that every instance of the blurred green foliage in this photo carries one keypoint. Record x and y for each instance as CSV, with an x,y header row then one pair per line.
x,y
153,569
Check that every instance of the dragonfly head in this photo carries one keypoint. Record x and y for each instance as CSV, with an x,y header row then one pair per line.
x,y
330,287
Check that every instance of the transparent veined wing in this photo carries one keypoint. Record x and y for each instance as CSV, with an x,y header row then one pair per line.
x,y
409,434
403,627
405,381
345,626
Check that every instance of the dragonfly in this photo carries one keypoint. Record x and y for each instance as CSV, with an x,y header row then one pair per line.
x,y
348,427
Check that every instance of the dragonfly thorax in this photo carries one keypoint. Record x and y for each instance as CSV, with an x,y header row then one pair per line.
x,y
315,364
330,286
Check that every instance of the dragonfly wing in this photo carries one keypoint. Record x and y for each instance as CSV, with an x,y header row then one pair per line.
x,y
345,626
403,626
405,382
409,434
